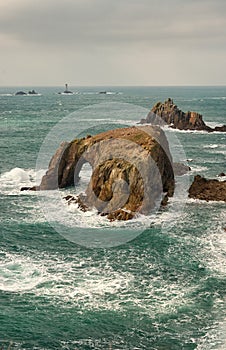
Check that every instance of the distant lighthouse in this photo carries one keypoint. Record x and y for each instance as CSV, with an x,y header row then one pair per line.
x,y
66,91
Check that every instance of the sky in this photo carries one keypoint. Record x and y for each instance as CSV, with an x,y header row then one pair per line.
x,y
117,42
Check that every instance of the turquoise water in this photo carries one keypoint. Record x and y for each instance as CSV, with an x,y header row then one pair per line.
x,y
165,289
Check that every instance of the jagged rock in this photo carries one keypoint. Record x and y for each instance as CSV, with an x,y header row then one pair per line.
x,y
208,189
120,214
170,114
77,200
132,169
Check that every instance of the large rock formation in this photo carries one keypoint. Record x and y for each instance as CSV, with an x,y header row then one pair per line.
x,y
208,189
170,114
132,171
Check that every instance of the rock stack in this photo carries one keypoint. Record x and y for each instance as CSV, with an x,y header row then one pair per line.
x,y
169,113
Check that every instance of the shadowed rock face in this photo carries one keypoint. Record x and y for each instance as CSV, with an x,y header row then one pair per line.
x,y
177,119
208,189
132,168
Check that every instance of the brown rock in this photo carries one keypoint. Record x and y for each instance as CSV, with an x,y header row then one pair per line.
x,y
208,189
132,168
170,114
120,214
77,200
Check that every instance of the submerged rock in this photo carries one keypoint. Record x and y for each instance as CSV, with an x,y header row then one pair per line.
x,y
170,114
208,189
33,188
132,171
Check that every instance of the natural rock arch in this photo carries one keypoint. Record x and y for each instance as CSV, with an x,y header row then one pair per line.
x,y
136,156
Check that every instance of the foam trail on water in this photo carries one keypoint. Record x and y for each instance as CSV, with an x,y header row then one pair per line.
x,y
19,274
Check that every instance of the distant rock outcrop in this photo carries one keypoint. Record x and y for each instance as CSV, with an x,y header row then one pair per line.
x,y
177,119
32,92
20,93
132,171
207,189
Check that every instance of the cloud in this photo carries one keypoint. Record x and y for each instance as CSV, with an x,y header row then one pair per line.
x,y
118,42
104,23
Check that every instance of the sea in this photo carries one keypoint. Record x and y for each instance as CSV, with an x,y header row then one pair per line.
x,y
74,280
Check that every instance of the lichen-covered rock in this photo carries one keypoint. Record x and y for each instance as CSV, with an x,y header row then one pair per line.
x,y
170,114
208,189
132,170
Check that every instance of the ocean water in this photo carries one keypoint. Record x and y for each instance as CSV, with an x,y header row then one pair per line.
x,y
163,288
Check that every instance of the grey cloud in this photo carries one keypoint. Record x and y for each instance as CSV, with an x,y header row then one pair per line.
x,y
113,41
121,22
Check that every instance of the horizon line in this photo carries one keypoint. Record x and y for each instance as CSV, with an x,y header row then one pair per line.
x,y
71,85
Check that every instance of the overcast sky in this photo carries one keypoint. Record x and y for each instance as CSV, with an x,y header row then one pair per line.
x,y
112,42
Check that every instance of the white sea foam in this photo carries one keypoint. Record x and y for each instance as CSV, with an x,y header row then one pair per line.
x,y
197,168
213,254
221,152
13,180
83,284
70,216
211,146
203,202
16,175
199,132
33,95
19,274
217,98
127,122
59,212
168,128
221,178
